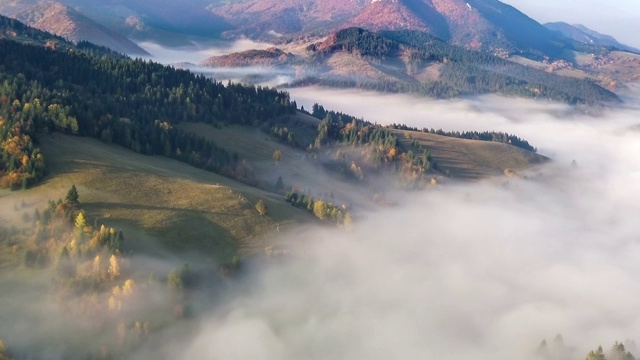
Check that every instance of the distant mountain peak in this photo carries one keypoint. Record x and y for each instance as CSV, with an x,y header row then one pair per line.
x,y
586,35
60,19
488,25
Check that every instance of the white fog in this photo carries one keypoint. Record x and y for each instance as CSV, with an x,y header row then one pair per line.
x,y
482,270
465,270
198,52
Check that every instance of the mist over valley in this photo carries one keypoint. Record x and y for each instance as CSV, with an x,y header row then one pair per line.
x,y
300,179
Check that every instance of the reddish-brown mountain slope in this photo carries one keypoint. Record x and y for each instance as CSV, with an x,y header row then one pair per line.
x,y
488,25
59,19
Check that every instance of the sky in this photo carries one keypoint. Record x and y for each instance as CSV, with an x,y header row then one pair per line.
x,y
620,18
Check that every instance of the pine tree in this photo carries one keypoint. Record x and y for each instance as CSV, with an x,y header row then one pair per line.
x,y
72,195
596,355
279,183
618,352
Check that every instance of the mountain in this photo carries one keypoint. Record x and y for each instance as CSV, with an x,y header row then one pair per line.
x,y
59,19
585,35
414,62
272,18
488,25
154,21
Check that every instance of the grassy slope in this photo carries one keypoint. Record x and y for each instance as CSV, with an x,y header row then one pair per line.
x,y
296,168
472,159
465,159
152,197
155,199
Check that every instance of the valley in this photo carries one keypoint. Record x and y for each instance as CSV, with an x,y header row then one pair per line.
x,y
315,179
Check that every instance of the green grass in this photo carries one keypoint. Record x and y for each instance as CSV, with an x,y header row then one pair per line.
x,y
472,159
157,201
296,167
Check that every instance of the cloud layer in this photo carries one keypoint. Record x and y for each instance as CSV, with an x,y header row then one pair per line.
x,y
482,270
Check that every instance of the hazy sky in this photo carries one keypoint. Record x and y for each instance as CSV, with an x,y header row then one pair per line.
x,y
620,18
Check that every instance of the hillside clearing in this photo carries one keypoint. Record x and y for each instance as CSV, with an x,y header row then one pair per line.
x,y
155,198
472,159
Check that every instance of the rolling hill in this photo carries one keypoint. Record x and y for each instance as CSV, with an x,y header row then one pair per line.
x,y
166,206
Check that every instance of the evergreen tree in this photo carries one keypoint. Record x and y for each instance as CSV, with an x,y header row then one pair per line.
x,y
596,355
618,352
72,195
279,184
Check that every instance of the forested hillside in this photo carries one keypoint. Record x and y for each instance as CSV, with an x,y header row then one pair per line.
x,y
129,102
459,71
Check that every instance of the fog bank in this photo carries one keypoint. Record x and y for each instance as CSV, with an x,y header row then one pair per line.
x,y
481,270
198,52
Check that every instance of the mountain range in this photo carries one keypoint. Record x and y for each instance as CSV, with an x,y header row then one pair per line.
x,y
62,20
488,25
583,34
412,62
296,27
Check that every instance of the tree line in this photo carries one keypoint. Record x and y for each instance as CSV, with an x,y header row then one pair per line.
x,y
494,136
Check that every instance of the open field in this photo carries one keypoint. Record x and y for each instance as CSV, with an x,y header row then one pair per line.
x,y
472,159
297,168
465,159
161,204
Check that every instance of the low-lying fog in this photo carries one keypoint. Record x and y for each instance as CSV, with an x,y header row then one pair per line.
x,y
481,270
191,57
198,52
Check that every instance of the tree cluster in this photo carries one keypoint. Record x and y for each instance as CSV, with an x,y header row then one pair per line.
x,y
383,148
323,210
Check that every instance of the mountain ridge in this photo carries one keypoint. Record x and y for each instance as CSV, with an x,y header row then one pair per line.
x,y
60,19
585,35
487,25
414,62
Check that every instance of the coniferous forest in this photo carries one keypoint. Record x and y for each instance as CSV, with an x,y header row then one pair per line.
x,y
130,102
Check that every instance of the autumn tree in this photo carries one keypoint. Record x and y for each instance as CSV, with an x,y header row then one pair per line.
x,y
261,207
175,283
3,352
319,209
81,222
348,220
114,267
277,155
